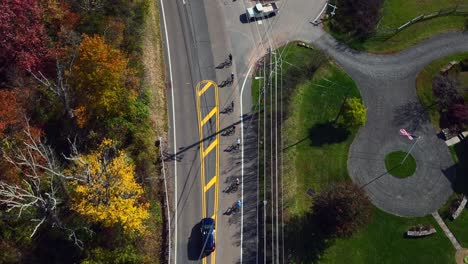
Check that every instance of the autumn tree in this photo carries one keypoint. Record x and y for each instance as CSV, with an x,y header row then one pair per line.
x,y
341,209
39,193
459,113
354,112
106,191
99,81
23,41
445,90
10,111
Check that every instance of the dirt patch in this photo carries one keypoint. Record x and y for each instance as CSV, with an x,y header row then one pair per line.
x,y
461,253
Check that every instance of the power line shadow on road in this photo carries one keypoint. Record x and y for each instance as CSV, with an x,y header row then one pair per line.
x,y
172,156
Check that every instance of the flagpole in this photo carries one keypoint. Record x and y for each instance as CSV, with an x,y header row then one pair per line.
x,y
407,154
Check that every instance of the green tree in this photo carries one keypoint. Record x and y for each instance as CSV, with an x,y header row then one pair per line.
x,y
354,113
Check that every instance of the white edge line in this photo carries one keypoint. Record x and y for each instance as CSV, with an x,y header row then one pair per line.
x,y
167,198
174,138
321,12
242,164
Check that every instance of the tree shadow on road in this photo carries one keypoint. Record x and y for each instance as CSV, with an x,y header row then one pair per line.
x,y
327,133
410,116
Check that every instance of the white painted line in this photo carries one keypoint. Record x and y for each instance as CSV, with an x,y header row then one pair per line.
x,y
167,197
175,140
242,164
321,12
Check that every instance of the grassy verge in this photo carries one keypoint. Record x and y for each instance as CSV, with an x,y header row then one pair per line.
x,y
152,244
424,85
397,12
396,168
314,159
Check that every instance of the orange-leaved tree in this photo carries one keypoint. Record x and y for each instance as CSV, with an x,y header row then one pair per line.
x,y
99,81
107,192
10,111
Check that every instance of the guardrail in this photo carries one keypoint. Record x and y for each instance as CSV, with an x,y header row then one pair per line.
x,y
460,10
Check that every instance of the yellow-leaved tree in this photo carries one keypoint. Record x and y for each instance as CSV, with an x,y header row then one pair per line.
x,y
109,193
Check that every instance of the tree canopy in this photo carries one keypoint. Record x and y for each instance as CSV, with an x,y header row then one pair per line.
x,y
354,112
357,17
110,195
23,43
99,81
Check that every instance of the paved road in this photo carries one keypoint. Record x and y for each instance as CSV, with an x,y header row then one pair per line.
x,y
188,63
387,85
200,35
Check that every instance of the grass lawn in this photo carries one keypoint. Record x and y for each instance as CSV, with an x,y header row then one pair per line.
x,y
424,84
397,12
315,155
459,227
313,160
396,168
383,242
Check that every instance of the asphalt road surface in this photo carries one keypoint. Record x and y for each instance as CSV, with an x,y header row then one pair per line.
x,y
198,37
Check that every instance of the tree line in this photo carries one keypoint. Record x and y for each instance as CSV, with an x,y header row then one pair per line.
x,y
74,130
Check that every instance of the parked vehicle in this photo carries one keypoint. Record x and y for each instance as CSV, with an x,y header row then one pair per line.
x,y
261,11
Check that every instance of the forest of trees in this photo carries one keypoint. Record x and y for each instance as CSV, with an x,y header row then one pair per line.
x,y
76,142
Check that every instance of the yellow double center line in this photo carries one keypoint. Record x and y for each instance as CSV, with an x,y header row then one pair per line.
x,y
200,90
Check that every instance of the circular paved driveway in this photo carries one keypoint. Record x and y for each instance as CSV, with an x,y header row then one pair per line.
x,y
387,85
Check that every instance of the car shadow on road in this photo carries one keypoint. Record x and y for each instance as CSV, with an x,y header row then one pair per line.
x,y
243,19
194,245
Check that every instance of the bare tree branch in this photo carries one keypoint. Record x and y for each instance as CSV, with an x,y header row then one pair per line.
x,y
37,164
91,5
60,87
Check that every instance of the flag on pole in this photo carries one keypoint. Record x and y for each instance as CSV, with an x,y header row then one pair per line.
x,y
403,132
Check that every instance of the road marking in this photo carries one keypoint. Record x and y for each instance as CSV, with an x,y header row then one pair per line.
x,y
202,161
242,163
210,115
203,153
175,141
203,90
210,147
208,186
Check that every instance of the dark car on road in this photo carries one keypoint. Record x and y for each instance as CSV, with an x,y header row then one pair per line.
x,y
208,230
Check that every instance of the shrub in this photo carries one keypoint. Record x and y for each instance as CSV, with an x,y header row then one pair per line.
x,y
357,18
